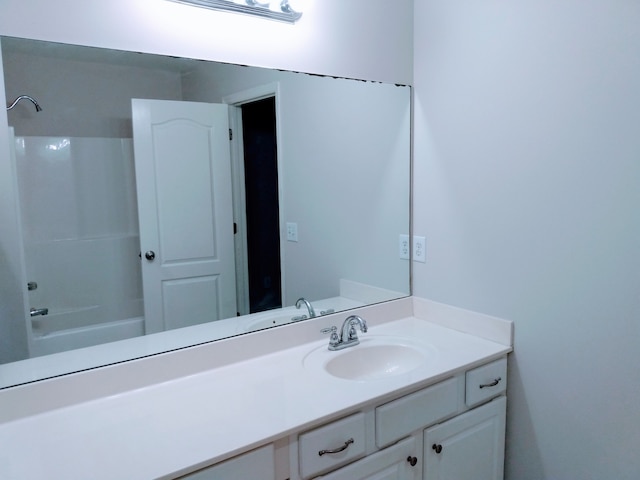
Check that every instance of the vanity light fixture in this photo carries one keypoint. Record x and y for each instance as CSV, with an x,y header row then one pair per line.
x,y
280,10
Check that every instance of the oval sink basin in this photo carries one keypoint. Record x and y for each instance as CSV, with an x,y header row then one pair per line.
x,y
373,359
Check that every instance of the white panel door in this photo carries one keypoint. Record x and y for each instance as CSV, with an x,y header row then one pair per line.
x,y
183,177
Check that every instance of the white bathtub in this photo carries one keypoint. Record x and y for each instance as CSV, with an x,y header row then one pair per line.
x,y
71,328
85,263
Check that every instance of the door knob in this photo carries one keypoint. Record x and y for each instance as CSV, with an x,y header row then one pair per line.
x,y
150,255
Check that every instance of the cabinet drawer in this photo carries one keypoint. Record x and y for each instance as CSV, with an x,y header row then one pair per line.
x,y
485,382
259,463
394,463
332,445
397,419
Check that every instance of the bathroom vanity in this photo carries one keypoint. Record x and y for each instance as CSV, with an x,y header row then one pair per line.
x,y
437,432
277,405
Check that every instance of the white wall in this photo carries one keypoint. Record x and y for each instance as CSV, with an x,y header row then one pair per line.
x,y
527,162
359,38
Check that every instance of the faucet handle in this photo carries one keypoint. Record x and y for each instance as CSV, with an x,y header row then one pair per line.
x,y
334,339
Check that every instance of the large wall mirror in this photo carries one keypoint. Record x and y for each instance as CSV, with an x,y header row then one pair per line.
x,y
165,202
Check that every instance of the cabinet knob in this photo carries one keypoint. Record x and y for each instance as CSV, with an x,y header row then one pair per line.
x,y
437,448
412,461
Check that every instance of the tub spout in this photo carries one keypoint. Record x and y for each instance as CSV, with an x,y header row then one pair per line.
x,y
310,309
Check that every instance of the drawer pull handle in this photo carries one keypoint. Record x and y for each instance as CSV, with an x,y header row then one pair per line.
x,y
492,384
412,461
339,449
437,448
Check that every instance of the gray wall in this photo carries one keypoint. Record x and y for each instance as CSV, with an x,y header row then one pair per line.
x,y
81,98
527,162
345,174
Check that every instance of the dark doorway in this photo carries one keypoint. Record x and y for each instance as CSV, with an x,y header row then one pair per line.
x,y
261,187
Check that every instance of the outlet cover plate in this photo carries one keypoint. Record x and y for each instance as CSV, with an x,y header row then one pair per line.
x,y
404,246
419,249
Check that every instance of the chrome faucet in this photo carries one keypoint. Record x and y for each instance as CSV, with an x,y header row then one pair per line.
x,y
34,312
348,336
301,300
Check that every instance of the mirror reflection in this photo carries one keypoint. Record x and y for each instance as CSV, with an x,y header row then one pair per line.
x,y
163,194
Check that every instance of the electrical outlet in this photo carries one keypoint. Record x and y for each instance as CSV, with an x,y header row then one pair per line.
x,y
419,249
292,232
404,247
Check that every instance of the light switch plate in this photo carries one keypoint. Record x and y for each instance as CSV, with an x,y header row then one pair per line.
x,y
292,232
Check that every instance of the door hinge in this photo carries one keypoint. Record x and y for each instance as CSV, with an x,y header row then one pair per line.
x,y
235,228
230,134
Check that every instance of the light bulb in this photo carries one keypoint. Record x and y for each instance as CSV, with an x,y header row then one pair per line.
x,y
297,5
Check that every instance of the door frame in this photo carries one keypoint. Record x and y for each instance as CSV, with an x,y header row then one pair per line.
x,y
235,102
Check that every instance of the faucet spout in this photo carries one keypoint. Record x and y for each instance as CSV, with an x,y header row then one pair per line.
x,y
348,336
349,328
25,97
310,309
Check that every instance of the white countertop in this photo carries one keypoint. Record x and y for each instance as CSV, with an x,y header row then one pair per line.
x,y
49,366
165,429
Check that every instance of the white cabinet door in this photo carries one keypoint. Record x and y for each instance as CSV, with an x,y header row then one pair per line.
x,y
392,463
183,179
258,464
469,446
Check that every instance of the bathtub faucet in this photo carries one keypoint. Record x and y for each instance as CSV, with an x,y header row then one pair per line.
x,y
301,300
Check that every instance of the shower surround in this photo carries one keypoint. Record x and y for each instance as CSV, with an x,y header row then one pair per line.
x,y
81,241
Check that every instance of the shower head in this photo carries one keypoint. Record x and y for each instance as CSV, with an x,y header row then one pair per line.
x,y
25,97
